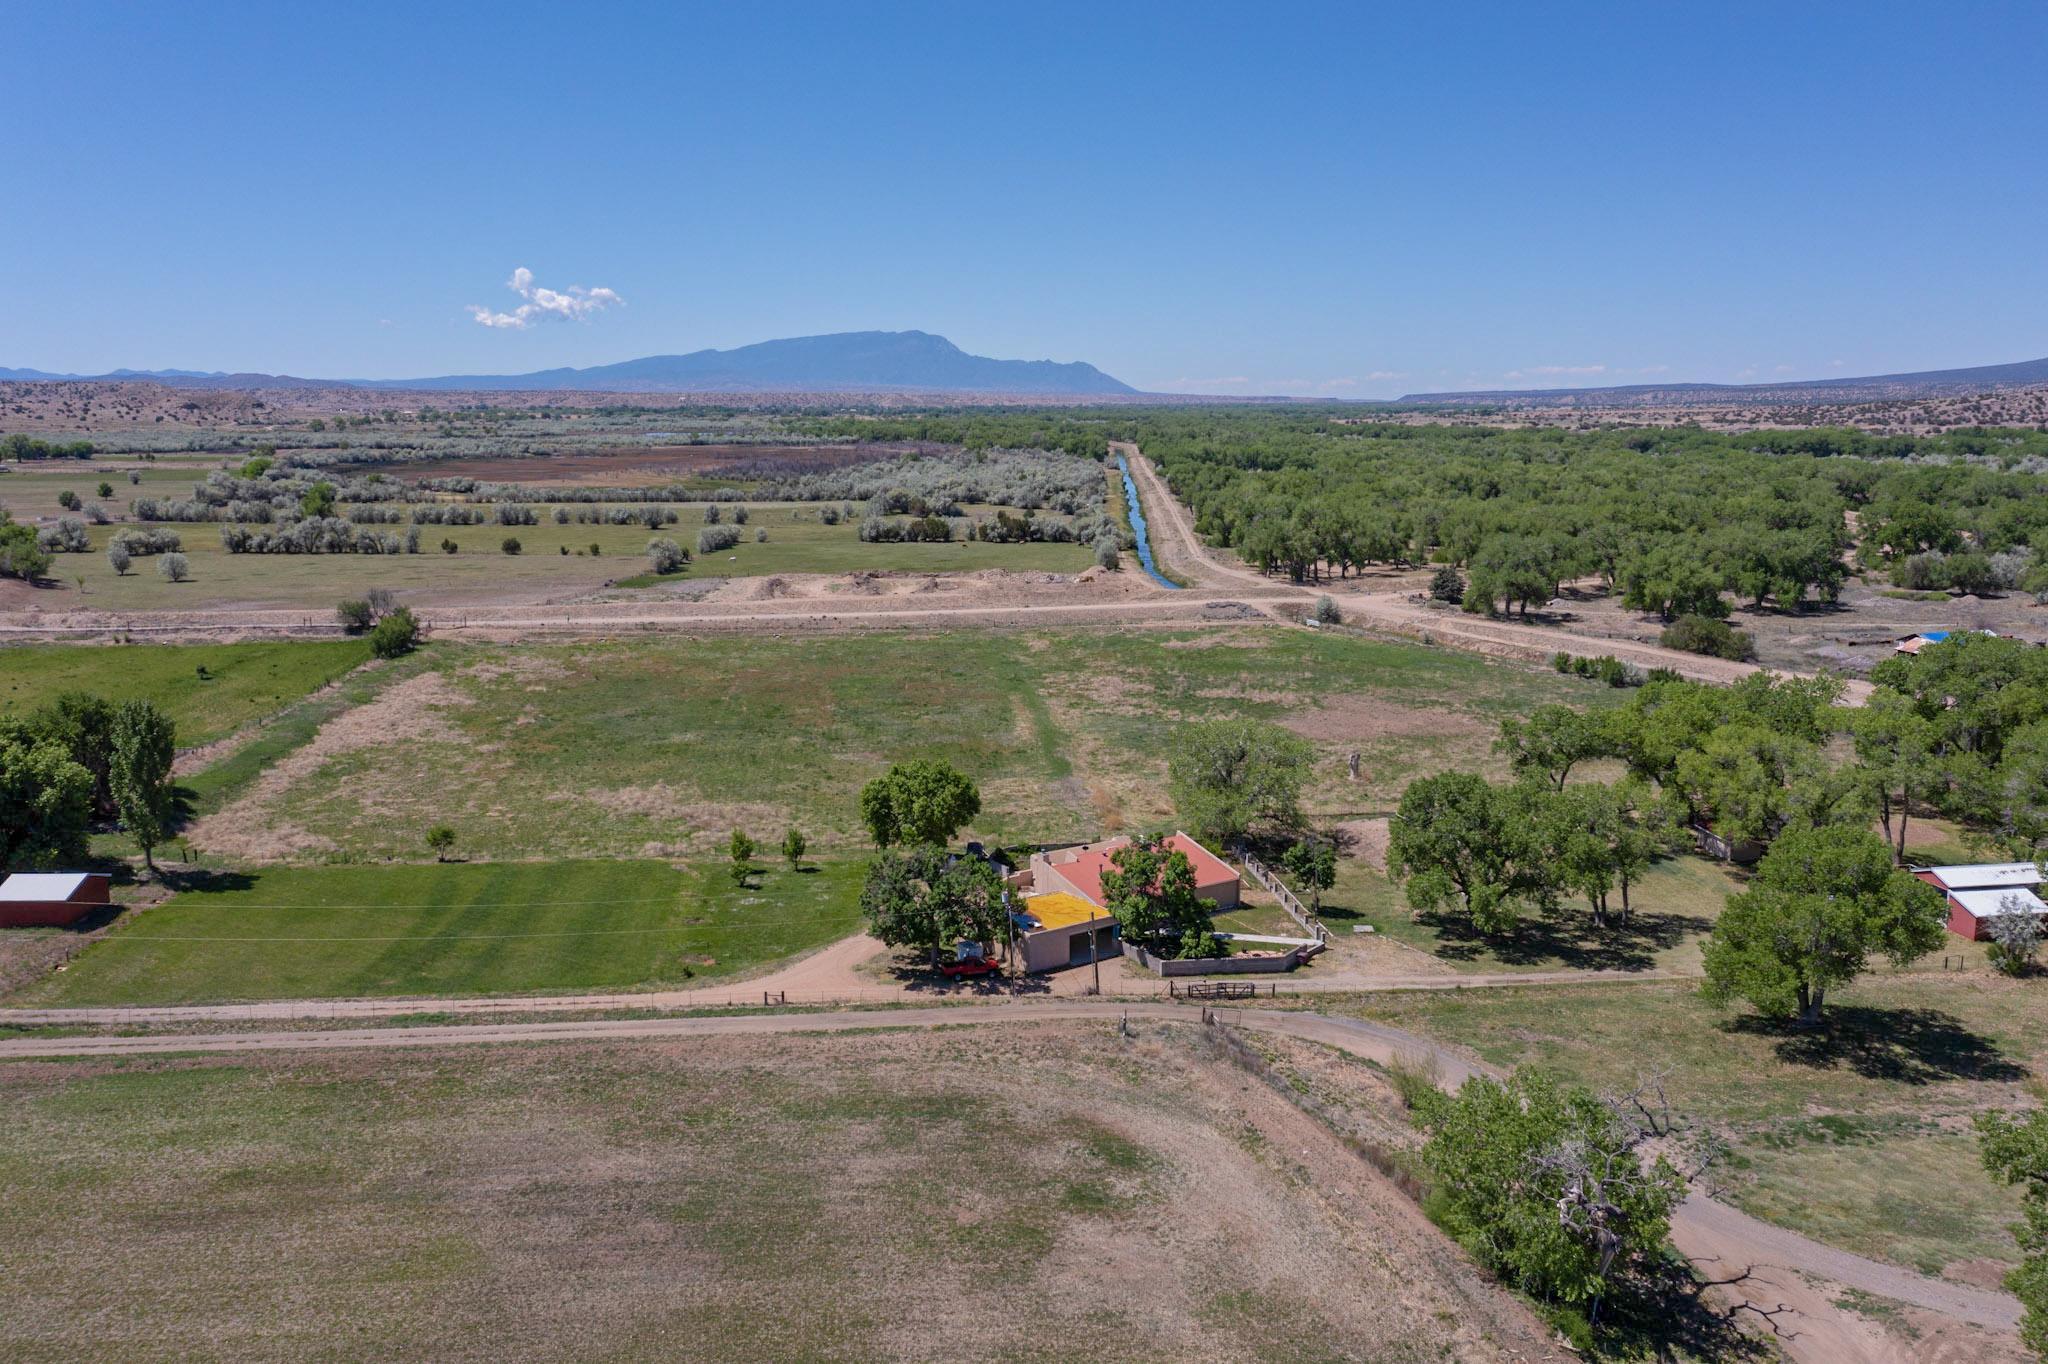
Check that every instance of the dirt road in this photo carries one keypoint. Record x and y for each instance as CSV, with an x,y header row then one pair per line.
x,y
1778,1267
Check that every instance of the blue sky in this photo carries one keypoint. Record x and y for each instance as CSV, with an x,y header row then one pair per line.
x,y
1350,200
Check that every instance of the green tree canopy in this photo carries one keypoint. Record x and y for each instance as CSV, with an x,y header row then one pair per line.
x,y
144,747
2014,1149
1150,888
1545,1185
1552,741
45,801
918,802
922,897
1822,902
1229,776
1472,847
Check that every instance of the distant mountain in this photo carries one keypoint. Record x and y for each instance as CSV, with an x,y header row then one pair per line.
x,y
1870,388
915,362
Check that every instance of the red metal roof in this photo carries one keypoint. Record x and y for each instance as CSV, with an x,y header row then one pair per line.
x,y
1211,871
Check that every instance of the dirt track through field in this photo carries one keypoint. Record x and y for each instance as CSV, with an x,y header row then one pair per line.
x,y
1777,1267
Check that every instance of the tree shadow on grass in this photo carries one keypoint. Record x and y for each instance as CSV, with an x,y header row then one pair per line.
x,y
1667,1316
1908,1046
1570,941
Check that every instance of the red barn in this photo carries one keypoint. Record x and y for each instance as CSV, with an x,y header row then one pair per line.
x,y
1979,891
50,899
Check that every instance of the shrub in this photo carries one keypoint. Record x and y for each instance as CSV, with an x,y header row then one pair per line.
x,y
666,556
396,635
139,542
448,546
66,537
1106,553
740,515
712,539
1326,612
711,513
761,535
561,516
118,558
510,544
793,845
440,839
354,615
513,514
173,568
828,516
2015,934
1446,584
105,489
1704,635
68,500
1921,572
134,477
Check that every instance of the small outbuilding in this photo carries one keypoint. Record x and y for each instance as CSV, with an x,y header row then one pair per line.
x,y
51,899
1058,929
1978,892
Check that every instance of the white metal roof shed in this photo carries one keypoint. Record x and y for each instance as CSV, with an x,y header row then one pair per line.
x,y
1975,875
1989,904
42,885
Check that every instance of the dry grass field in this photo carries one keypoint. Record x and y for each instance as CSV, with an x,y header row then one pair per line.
x,y
1041,1193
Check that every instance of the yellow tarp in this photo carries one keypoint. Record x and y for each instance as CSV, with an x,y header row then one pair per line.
x,y
1061,910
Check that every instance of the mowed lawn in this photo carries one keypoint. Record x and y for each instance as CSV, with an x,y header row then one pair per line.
x,y
208,690
1857,1134
455,928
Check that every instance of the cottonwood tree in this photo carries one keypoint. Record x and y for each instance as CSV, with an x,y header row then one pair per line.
x,y
1472,847
1150,888
46,800
918,802
1547,1185
793,845
1228,776
1895,751
2014,1149
922,897
1551,742
139,773
1823,901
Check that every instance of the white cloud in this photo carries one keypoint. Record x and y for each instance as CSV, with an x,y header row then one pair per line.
x,y
577,304
1380,376
1781,369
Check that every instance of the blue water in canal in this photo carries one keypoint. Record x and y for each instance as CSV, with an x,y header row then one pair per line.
x,y
1138,528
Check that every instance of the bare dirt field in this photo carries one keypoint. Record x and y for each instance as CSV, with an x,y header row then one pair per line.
x,y
871,1196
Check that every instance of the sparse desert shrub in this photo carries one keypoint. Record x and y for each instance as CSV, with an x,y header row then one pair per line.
x,y
396,635
119,559
711,513
172,567
712,539
666,556
510,544
140,542
828,516
513,514
1921,572
354,615
740,515
1107,554
134,477
1705,635
561,516
760,535
1327,612
448,546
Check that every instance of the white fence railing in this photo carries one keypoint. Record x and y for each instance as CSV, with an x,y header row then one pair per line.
x,y
1289,901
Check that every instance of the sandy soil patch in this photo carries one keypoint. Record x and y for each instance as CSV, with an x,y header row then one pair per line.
x,y
407,714
1366,840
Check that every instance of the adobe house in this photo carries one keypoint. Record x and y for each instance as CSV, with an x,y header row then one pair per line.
x,y
1078,870
51,899
1060,929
